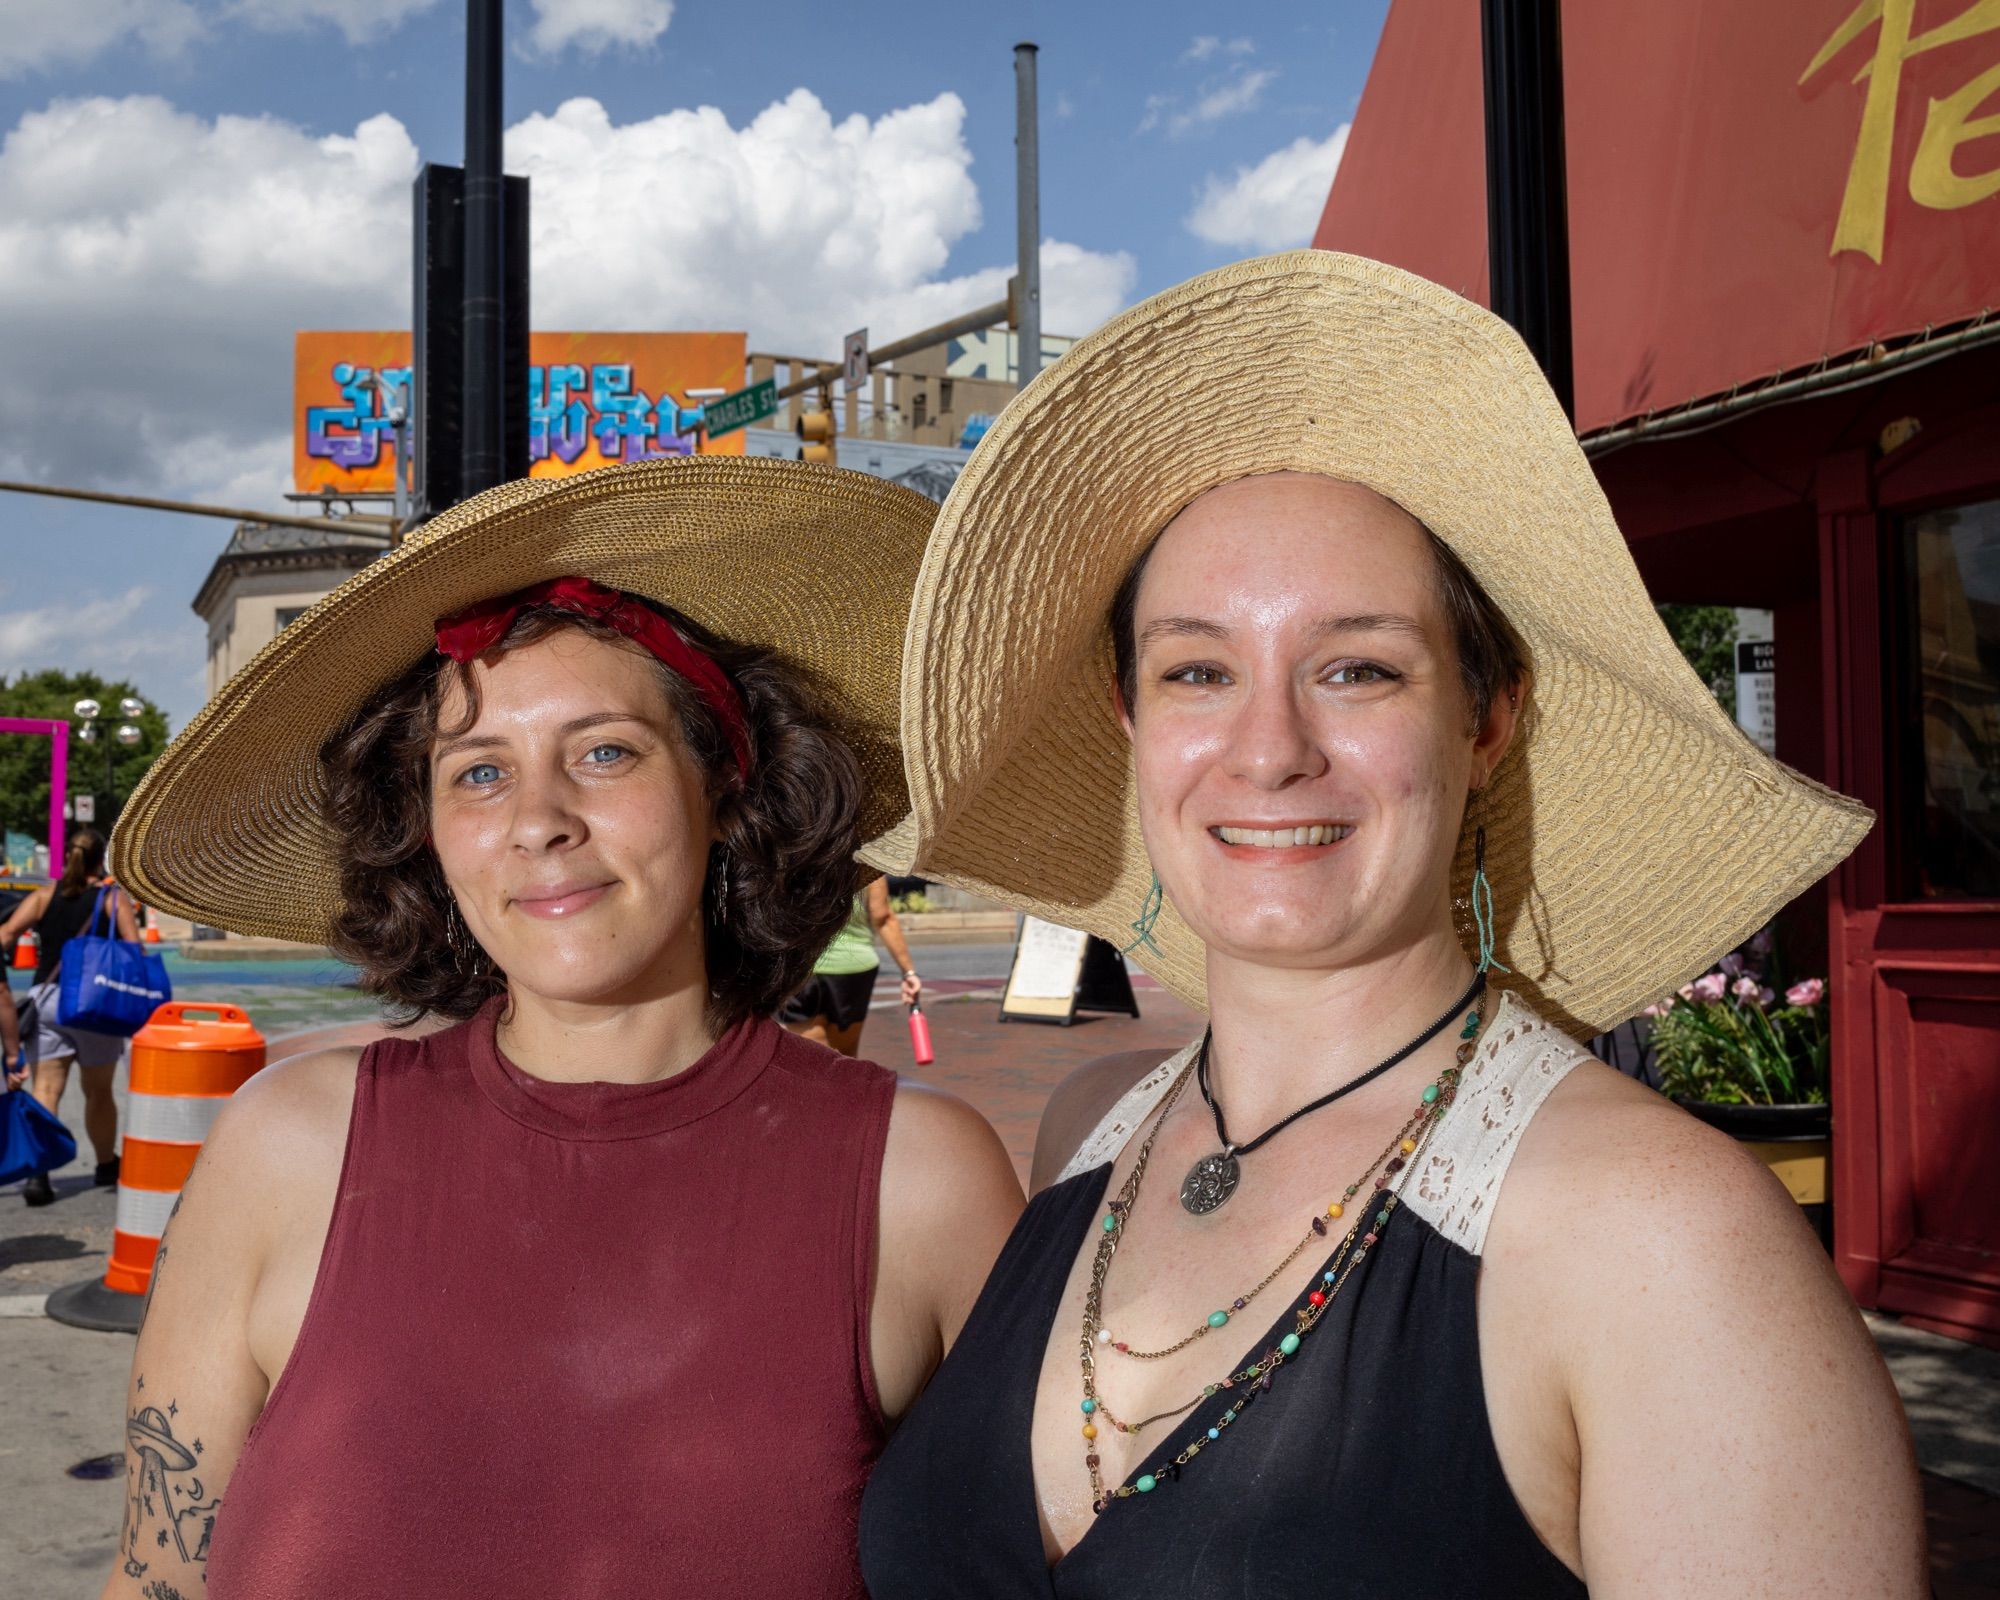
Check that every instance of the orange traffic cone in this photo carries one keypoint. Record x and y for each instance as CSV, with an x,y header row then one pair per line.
x,y
186,1063
27,952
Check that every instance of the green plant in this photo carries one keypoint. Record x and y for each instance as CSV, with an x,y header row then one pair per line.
x,y
1706,635
1726,1039
912,904
51,695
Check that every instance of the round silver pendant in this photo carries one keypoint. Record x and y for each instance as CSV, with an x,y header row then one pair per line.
x,y
1210,1181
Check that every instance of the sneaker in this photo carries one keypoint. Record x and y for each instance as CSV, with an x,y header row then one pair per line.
x,y
107,1173
38,1191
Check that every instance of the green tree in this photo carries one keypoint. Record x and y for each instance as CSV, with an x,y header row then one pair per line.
x,y
1707,637
51,696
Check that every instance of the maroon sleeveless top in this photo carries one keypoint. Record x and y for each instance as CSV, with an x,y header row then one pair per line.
x,y
579,1339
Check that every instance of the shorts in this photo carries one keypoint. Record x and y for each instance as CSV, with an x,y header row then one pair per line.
x,y
49,1040
841,997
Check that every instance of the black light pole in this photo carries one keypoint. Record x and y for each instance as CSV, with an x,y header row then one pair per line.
x,y
483,441
1527,188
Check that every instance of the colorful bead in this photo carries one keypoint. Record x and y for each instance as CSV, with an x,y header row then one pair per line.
x,y
1111,1222
1217,1318
1289,1344
1090,1430
1408,1147
1327,1278
1381,1217
1336,1209
1430,1098
1215,1433
1089,1406
1316,1298
1368,1238
1238,1305
1145,1484
1395,1164
1319,1226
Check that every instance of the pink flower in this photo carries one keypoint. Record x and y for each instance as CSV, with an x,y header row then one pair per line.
x,y
1744,989
1712,987
1687,991
1731,965
1659,1008
1808,993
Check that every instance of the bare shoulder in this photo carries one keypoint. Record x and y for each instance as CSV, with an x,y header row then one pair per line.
x,y
295,1108
941,1151
1079,1104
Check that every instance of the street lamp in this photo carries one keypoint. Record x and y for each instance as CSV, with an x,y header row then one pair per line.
x,y
128,733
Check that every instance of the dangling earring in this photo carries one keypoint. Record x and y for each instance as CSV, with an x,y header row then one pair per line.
x,y
722,886
1149,915
464,952
1482,904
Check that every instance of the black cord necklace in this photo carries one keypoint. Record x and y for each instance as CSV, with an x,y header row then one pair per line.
x,y
1212,1180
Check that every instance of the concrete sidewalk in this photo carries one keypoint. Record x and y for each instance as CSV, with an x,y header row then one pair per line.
x,y
63,1391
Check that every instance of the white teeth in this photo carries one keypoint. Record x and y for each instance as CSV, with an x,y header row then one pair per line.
x,y
1284,838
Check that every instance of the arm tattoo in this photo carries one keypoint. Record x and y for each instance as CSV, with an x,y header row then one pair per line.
x,y
160,1258
165,1502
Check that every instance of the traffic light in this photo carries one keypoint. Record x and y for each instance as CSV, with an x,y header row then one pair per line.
x,y
815,429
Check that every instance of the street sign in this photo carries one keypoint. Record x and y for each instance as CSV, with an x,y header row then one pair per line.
x,y
854,360
742,408
85,807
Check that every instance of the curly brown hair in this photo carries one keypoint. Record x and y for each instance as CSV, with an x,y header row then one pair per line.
x,y
789,831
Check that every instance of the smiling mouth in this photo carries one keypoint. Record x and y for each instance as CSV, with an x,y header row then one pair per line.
x,y
1285,838
566,900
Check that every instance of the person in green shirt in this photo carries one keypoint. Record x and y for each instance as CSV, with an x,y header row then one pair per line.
x,y
833,1005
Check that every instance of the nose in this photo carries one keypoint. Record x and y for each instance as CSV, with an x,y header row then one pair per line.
x,y
545,814
1272,741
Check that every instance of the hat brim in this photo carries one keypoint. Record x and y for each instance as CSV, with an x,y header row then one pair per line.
x,y
1634,834
813,563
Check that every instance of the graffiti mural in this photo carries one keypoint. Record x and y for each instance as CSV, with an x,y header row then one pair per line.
x,y
593,399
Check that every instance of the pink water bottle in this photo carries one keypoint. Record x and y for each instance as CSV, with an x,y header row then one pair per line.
x,y
920,1036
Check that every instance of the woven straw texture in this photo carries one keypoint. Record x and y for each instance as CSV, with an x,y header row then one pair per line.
x,y
1634,834
814,563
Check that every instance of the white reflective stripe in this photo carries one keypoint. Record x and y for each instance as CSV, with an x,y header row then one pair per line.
x,y
144,1211
173,1118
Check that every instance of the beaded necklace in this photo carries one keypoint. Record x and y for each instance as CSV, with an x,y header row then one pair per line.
x,y
1389,1171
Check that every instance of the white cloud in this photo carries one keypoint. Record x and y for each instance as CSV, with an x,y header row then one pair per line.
x,y
359,20
28,638
1274,205
594,26
38,34
794,226
1206,45
1239,94
154,264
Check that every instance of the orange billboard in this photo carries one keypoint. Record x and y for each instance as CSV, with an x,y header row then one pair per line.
x,y
593,399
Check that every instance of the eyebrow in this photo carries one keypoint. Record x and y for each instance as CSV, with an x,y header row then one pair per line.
x,y
1359,622
473,741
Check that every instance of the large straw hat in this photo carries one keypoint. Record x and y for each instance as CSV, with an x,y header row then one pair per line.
x,y
813,563
1633,833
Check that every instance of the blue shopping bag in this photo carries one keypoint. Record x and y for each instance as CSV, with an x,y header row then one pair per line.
x,y
31,1139
110,985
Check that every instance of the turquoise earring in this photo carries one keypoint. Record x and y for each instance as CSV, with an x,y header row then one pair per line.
x,y
1149,914
1482,904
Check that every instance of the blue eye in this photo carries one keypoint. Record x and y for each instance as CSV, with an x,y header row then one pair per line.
x,y
483,772
604,754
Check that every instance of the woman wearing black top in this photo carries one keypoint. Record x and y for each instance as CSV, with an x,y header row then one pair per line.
x,y
1384,1287
58,914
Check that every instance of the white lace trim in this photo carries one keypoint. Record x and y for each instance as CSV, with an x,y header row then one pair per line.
x,y
1520,1059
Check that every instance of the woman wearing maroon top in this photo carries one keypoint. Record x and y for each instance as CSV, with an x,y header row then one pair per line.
x,y
611,1287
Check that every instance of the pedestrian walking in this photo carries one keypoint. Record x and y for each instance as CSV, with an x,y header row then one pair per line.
x,y
613,1286
1359,728
58,913
832,1007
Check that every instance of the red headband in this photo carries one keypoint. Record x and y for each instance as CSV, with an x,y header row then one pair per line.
x,y
467,634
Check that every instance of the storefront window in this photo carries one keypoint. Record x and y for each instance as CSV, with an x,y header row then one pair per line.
x,y
1951,578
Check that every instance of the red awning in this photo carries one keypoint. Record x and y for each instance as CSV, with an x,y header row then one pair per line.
x,y
1752,186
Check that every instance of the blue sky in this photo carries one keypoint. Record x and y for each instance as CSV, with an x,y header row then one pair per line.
x,y
183,183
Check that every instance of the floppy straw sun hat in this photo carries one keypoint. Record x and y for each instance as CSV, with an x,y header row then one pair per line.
x,y
1633,833
813,563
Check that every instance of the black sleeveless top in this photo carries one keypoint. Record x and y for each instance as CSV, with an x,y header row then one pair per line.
x,y
1381,1413
62,919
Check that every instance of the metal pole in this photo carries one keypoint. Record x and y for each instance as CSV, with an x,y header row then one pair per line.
x,y
1027,215
972,322
1527,189
374,527
483,447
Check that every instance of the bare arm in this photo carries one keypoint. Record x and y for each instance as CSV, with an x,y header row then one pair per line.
x,y
128,924
889,929
1735,1431
24,916
10,1025
197,1381
949,1199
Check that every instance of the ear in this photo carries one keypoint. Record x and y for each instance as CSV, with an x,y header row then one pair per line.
x,y
1119,709
1491,740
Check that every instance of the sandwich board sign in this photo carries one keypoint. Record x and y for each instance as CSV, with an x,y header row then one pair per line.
x,y
1060,971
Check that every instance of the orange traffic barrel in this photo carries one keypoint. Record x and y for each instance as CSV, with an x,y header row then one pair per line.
x,y
26,951
186,1063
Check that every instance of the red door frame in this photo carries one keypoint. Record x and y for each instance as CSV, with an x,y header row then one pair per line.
x,y
1892,959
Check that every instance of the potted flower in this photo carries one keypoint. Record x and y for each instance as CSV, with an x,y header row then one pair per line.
x,y
1733,1052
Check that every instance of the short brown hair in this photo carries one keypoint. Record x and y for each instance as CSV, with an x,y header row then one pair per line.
x,y
1491,659
789,832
